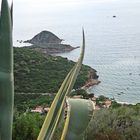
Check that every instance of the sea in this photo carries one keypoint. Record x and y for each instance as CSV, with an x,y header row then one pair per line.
x,y
112,32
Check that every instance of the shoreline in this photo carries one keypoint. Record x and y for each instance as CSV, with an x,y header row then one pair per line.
x,y
90,83
126,103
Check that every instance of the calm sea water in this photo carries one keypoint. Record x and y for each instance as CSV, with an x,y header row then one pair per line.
x,y
112,44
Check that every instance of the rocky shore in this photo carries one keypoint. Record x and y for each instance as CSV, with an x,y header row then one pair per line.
x,y
90,83
92,80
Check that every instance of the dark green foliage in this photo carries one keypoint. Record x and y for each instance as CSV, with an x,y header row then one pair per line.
x,y
36,73
80,92
115,104
100,100
122,123
25,101
27,126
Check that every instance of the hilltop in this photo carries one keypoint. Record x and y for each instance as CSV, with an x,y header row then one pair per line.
x,y
44,37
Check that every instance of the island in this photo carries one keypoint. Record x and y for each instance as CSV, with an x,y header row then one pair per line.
x,y
48,43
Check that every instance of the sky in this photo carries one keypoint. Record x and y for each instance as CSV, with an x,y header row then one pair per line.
x,y
51,4
56,1
50,10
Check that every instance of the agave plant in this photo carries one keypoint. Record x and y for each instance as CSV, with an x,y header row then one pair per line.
x,y
6,72
79,112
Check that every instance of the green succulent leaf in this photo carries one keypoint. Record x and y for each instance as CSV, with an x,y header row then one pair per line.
x,y
53,116
6,73
81,112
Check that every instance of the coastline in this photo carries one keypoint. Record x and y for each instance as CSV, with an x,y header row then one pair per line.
x,y
90,83
126,103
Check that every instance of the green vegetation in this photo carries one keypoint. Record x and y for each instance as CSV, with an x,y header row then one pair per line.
x,y
27,126
36,73
121,123
80,92
28,101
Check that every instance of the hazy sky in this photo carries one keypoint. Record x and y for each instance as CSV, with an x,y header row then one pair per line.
x,y
56,5
57,1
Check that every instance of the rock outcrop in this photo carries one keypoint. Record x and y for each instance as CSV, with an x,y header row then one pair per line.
x,y
92,80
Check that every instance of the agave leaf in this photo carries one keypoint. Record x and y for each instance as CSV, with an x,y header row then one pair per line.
x,y
52,117
66,124
11,14
54,114
70,84
6,73
81,111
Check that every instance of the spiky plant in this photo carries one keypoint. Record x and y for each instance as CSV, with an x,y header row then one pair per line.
x,y
79,114
54,115
6,72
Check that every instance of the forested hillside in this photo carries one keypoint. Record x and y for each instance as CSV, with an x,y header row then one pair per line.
x,y
38,73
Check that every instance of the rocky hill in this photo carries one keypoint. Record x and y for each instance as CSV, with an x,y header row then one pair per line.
x,y
45,37
48,43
